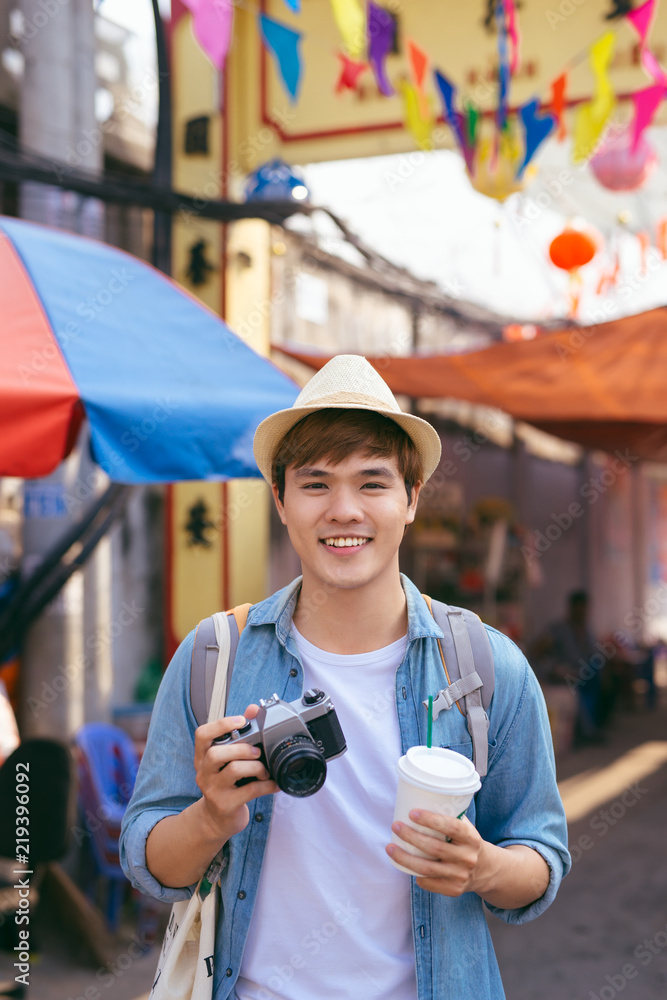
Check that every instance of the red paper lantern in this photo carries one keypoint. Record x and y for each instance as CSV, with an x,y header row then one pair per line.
x,y
572,249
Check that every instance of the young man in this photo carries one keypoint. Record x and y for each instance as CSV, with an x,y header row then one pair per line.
x,y
311,905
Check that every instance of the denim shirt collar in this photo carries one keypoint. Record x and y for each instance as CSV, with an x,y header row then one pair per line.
x,y
278,610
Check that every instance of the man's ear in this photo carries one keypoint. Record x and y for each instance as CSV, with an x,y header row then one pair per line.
x,y
412,506
279,506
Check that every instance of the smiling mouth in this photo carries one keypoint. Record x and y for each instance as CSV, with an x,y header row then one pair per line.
x,y
345,543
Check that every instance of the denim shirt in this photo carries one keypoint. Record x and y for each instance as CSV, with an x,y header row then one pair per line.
x,y
518,802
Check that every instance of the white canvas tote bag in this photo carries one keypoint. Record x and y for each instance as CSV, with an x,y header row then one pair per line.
x,y
185,967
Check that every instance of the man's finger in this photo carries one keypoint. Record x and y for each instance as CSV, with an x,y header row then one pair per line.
x,y
457,830
433,846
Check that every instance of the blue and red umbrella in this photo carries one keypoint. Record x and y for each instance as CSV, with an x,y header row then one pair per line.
x,y
87,330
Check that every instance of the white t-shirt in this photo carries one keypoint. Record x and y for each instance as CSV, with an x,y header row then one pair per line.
x,y
333,916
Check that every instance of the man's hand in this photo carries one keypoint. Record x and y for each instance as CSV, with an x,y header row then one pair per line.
x,y
508,877
453,868
219,767
180,847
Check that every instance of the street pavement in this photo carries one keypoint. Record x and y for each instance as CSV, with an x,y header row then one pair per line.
x,y
605,935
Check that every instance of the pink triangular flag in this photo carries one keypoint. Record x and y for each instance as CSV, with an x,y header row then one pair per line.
x,y
646,104
640,18
212,26
653,67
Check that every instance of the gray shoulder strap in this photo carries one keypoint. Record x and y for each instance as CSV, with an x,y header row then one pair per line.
x,y
204,664
469,659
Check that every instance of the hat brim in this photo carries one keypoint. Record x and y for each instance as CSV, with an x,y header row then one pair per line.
x,y
273,429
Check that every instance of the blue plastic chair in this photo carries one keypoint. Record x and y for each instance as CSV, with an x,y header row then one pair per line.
x,y
107,764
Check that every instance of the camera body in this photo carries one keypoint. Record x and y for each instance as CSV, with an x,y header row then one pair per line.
x,y
296,738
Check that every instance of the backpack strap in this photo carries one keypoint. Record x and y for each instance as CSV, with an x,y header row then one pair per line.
x,y
471,675
205,655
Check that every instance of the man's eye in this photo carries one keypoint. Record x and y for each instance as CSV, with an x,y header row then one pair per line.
x,y
374,486
314,486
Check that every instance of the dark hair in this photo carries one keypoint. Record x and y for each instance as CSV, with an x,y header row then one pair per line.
x,y
333,435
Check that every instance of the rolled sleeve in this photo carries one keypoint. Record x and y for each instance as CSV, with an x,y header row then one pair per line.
x,y
165,783
519,802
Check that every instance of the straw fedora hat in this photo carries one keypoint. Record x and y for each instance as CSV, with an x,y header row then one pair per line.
x,y
347,382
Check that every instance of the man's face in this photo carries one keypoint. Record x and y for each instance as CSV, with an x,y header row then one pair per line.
x,y
346,521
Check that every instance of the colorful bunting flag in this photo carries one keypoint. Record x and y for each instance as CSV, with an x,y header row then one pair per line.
x,y
294,5
351,21
418,65
646,104
419,125
653,67
641,18
381,29
536,129
558,104
212,25
453,117
283,44
503,65
592,116
514,35
350,73
470,121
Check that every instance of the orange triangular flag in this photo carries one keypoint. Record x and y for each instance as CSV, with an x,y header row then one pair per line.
x,y
558,104
418,63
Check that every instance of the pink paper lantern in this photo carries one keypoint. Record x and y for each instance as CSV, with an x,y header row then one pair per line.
x,y
617,168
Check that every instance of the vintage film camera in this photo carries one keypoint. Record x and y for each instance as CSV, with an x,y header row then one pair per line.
x,y
296,738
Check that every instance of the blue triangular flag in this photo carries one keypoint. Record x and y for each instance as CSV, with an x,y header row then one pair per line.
x,y
536,129
294,5
283,44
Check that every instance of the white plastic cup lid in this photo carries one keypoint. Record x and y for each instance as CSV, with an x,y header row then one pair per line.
x,y
439,770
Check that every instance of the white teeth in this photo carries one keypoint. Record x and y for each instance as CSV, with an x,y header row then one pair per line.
x,y
340,543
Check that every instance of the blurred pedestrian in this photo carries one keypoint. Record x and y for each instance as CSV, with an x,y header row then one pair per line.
x,y
567,653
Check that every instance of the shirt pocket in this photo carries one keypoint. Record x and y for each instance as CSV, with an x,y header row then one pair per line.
x,y
463,748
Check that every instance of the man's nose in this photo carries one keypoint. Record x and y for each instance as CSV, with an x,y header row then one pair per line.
x,y
345,505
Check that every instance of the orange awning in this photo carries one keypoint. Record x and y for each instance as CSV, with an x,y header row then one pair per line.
x,y
601,386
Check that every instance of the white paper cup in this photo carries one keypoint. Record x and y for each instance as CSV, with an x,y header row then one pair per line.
x,y
441,781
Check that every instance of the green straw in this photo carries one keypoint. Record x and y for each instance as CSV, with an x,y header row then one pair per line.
x,y
429,728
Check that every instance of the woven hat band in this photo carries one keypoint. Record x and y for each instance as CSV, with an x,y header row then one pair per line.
x,y
345,398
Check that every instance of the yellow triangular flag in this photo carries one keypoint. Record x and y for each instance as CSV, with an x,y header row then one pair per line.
x,y
351,20
592,117
420,126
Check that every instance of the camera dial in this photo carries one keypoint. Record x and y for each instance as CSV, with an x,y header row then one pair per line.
x,y
312,696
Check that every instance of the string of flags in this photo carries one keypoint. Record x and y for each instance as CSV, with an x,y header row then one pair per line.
x,y
367,37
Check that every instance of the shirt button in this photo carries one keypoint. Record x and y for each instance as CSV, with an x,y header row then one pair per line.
x,y
228,972
241,894
293,672
259,817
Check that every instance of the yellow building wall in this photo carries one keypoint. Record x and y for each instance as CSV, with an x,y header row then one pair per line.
x,y
249,304
233,569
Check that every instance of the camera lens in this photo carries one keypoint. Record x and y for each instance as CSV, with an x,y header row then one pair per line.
x,y
298,767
